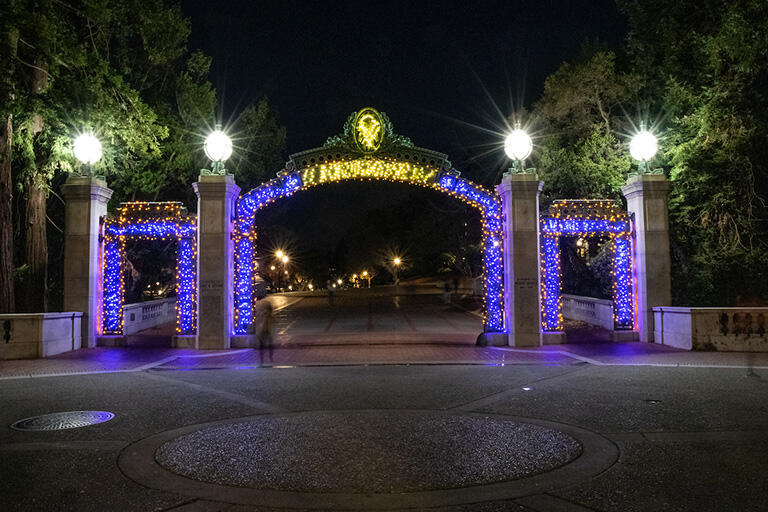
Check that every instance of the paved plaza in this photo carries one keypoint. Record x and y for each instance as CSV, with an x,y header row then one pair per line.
x,y
384,403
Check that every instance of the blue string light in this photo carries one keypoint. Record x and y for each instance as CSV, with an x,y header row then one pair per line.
x,y
150,221
586,218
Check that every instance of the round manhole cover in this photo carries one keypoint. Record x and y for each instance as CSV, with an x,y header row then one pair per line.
x,y
63,420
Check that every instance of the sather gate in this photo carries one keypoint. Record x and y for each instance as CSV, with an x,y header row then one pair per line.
x,y
216,267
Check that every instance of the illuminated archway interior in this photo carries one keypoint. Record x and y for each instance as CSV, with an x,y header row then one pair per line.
x,y
408,165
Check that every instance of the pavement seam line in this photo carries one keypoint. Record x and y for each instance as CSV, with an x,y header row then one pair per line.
x,y
235,397
494,397
559,352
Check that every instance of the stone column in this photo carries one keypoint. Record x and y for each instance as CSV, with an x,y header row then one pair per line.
x,y
647,205
520,202
216,196
86,199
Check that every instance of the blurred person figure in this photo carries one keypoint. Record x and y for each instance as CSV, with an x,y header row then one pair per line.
x,y
261,329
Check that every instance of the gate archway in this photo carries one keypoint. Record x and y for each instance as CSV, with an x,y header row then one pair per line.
x,y
148,221
368,149
584,218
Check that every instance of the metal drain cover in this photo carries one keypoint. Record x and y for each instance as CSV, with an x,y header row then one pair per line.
x,y
63,420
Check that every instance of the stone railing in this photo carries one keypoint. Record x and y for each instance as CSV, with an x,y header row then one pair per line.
x,y
722,329
33,335
143,315
588,309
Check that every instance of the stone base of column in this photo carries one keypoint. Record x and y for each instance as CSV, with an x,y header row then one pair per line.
x,y
241,341
492,339
111,341
553,338
184,341
622,336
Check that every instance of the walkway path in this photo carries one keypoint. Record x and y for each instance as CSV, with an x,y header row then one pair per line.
x,y
370,327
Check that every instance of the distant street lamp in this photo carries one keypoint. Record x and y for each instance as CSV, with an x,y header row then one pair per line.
x,y
397,261
643,147
518,146
281,258
365,275
87,150
218,148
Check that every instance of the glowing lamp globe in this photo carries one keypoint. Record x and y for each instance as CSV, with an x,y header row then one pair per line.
x,y
518,145
397,261
643,146
218,147
87,148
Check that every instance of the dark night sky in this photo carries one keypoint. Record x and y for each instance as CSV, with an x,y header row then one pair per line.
x,y
424,63
444,72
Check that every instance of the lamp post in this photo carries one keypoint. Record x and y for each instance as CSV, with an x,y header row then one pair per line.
x,y
218,148
643,147
518,146
87,150
364,274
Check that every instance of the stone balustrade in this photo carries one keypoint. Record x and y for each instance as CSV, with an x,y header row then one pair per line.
x,y
588,309
720,329
32,335
143,315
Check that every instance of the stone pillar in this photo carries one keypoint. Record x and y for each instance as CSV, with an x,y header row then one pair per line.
x,y
520,202
647,205
216,196
86,199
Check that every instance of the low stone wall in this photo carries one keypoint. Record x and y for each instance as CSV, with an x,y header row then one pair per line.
x,y
33,335
588,309
720,329
143,315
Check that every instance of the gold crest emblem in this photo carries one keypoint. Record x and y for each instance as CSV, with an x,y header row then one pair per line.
x,y
369,130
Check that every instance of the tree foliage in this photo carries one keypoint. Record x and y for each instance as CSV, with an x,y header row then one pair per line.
x,y
698,73
579,116
260,143
119,69
707,69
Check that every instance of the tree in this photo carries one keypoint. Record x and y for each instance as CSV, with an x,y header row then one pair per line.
x,y
65,85
579,115
121,69
260,143
706,65
9,39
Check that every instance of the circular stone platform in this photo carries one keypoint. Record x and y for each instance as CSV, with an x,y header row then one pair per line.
x,y
367,451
